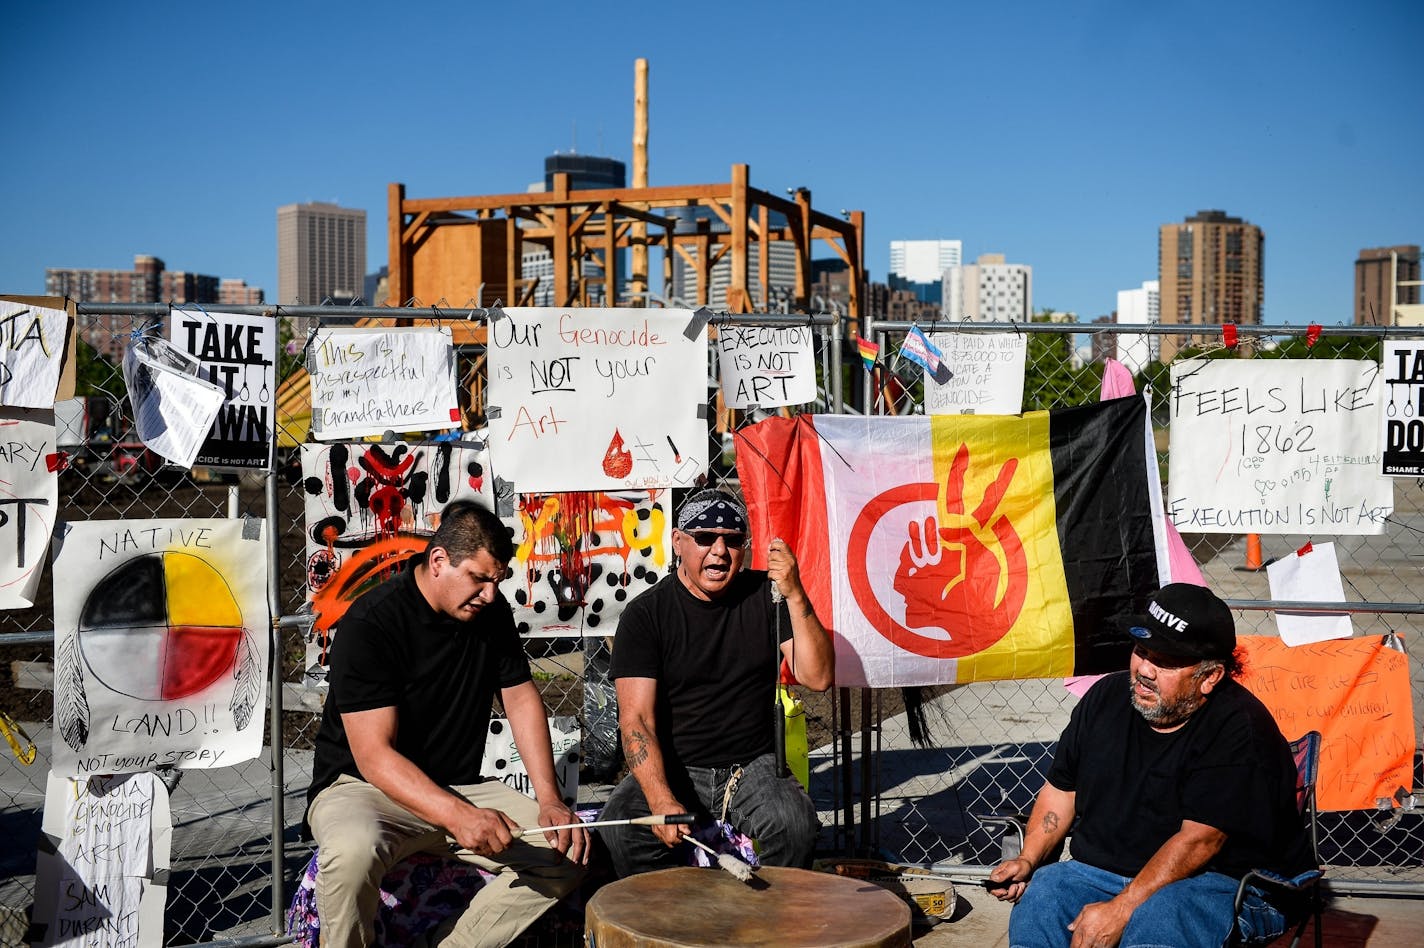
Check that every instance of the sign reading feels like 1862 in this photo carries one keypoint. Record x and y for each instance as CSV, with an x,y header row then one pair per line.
x,y
1402,421
1276,446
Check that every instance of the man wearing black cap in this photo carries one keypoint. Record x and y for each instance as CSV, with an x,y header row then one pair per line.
x,y
1178,791
695,662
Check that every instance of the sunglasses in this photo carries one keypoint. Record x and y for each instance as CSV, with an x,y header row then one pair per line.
x,y
710,537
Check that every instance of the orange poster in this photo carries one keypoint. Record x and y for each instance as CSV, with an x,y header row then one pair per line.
x,y
1355,692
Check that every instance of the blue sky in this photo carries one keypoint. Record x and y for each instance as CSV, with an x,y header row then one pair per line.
x,y
1059,134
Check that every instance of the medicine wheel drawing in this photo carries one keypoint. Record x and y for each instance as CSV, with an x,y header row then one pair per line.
x,y
161,627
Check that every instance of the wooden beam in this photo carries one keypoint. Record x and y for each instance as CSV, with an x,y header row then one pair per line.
x,y
563,239
416,224
610,259
669,196
764,258
803,248
399,260
740,210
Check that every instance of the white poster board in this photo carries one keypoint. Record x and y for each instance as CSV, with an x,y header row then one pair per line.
x,y
368,381
766,366
104,842
1402,418
32,340
1276,446
597,399
1311,574
161,644
502,761
29,496
173,404
238,354
988,374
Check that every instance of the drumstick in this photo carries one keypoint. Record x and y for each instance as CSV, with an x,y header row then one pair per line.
x,y
739,870
662,819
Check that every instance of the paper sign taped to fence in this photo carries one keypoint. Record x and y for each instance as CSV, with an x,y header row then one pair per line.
x,y
766,366
1309,575
29,495
503,762
598,399
1402,420
105,840
988,374
369,508
161,644
1356,693
32,343
238,354
1276,446
581,556
173,404
368,381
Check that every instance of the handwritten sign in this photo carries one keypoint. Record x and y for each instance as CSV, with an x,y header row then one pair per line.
x,y
368,381
766,367
104,841
988,374
1355,692
32,343
605,399
29,494
581,556
161,644
503,762
1402,420
239,354
1276,446
369,507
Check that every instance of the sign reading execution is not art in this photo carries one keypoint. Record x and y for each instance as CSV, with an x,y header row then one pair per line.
x,y
161,647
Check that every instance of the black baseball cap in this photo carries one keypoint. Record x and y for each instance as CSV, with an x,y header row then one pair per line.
x,y
1185,621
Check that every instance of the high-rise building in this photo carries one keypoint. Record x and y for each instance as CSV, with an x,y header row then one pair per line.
x,y
1210,270
924,261
1385,277
321,254
1139,307
988,291
238,293
780,257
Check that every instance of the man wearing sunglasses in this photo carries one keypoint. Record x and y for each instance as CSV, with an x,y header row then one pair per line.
x,y
695,663
1180,783
415,665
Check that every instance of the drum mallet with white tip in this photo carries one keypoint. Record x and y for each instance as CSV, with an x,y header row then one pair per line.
x,y
665,819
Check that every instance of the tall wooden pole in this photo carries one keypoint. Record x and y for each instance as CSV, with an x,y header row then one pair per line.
x,y
638,236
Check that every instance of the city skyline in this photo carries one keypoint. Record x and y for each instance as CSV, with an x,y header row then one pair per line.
x,y
1115,120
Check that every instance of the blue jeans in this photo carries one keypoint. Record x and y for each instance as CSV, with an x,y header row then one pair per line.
x,y
1192,913
774,811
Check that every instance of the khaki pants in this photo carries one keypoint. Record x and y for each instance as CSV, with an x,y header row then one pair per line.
x,y
360,833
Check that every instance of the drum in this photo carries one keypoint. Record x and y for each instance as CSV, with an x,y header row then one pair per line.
x,y
786,908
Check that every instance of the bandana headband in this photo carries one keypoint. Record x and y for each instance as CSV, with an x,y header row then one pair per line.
x,y
712,510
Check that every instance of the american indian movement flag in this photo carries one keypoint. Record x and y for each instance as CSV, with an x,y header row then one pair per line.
x,y
957,548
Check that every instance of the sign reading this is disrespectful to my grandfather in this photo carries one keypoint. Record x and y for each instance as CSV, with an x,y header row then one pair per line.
x,y
1276,446
600,399
369,381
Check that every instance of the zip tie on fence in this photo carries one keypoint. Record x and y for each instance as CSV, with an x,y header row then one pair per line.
x,y
11,728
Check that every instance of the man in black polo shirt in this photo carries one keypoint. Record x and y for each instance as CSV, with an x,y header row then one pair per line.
x,y
415,665
1180,782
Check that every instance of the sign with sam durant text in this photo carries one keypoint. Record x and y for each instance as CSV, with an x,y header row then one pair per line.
x,y
1276,446
1402,420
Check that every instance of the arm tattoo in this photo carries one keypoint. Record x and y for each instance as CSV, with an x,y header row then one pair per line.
x,y
637,750
1050,822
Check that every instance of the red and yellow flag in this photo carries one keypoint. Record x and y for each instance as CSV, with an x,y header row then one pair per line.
x,y
962,548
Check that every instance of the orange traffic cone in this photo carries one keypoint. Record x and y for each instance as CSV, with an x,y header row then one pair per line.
x,y
1253,552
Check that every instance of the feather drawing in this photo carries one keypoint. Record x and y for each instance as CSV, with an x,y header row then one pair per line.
x,y
71,709
248,674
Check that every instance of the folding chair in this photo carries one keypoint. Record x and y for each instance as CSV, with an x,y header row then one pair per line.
x,y
1306,751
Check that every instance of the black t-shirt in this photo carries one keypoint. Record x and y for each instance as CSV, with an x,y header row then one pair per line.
x,y
1227,767
391,649
715,663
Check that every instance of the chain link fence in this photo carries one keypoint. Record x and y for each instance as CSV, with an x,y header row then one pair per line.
x,y
232,875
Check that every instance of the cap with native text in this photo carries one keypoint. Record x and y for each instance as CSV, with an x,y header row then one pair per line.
x,y
1185,621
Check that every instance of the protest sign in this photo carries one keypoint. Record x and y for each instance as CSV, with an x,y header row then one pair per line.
x,y
238,354
1276,446
598,399
161,644
503,762
1356,693
173,405
988,374
1402,421
29,495
369,381
32,348
765,366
